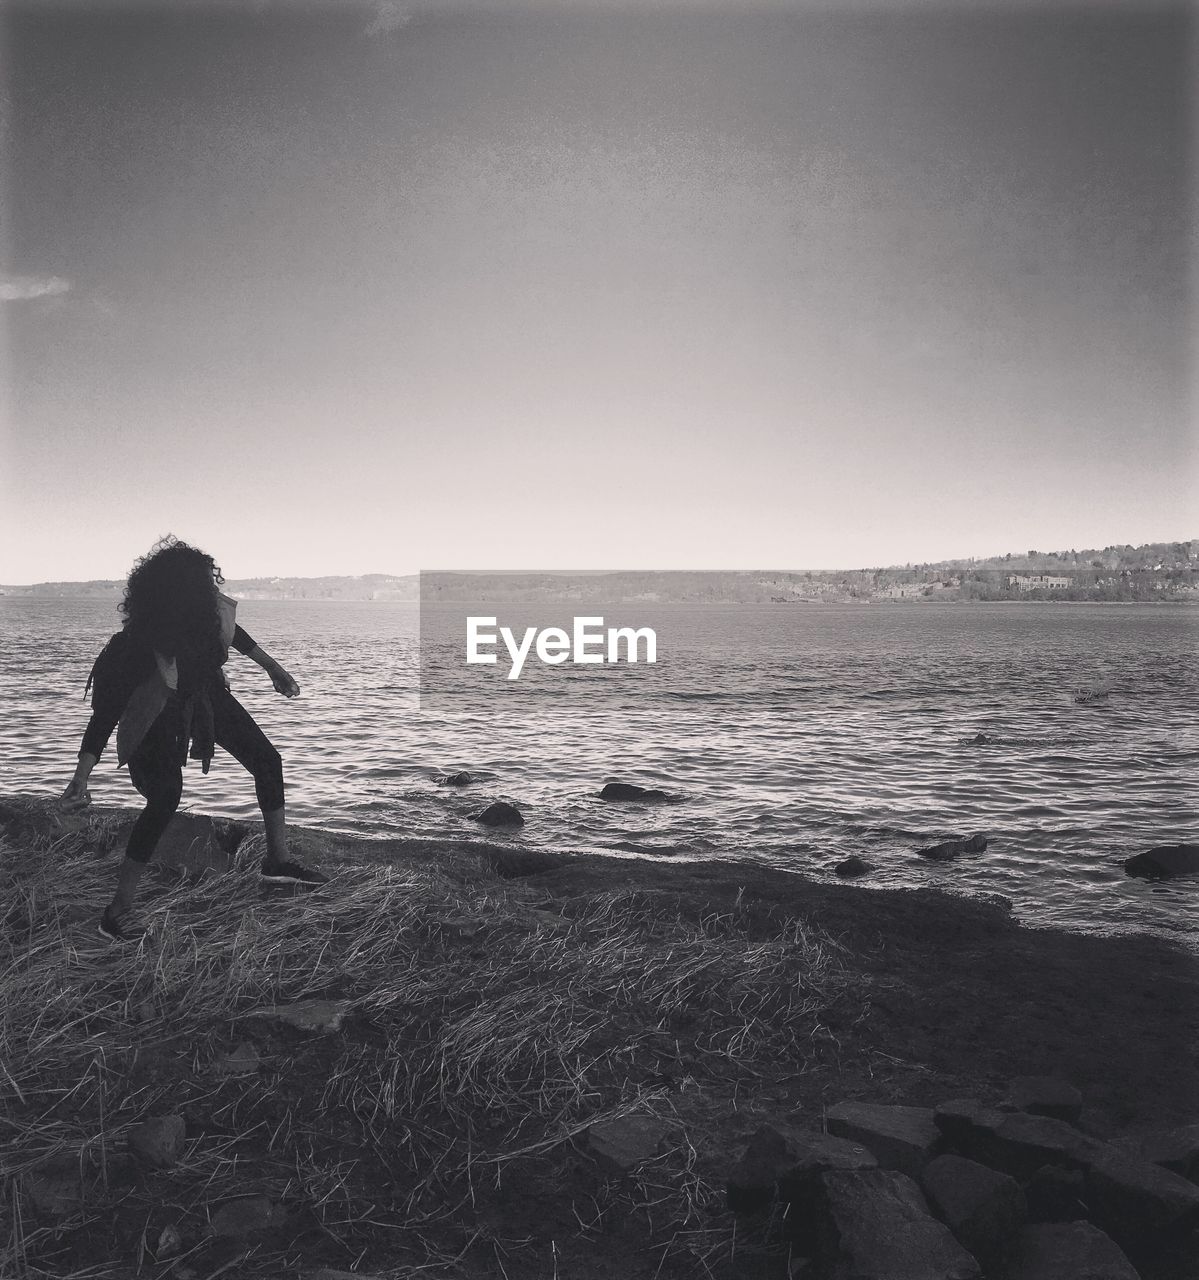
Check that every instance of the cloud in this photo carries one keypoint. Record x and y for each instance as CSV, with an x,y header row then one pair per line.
x,y
23,288
390,15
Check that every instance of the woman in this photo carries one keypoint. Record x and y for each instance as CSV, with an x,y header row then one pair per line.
x,y
159,682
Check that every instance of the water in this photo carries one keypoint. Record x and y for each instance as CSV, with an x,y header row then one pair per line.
x,y
793,735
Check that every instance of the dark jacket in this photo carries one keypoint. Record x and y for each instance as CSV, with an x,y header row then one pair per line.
x,y
123,665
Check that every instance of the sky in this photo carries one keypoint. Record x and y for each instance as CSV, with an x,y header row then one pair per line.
x,y
383,287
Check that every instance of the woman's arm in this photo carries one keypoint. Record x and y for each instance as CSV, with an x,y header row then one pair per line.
x,y
283,682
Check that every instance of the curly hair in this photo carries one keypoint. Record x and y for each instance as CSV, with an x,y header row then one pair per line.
x,y
171,600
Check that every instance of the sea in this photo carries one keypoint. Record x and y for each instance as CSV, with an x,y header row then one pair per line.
x,y
787,735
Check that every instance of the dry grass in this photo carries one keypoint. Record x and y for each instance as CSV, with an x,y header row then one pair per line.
x,y
483,1040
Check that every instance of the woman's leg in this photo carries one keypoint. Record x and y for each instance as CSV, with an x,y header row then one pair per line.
x,y
237,731
155,771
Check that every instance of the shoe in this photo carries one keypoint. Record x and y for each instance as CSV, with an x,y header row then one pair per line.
x,y
119,928
287,872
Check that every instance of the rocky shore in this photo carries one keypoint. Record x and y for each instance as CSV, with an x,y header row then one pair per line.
x,y
465,1060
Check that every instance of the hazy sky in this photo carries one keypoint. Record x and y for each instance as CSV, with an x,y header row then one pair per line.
x,y
376,288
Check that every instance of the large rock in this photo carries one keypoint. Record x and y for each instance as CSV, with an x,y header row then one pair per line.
x,y
950,849
901,1138
460,779
624,1142
1017,1143
1067,1251
1046,1096
1136,1201
1174,1149
158,1142
1055,1195
501,814
630,791
852,867
873,1224
786,1162
984,1209
1164,862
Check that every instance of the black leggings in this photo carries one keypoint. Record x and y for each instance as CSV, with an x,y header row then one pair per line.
x,y
156,771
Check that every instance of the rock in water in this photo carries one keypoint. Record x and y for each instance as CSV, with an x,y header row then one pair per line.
x,y
1164,862
461,779
947,850
501,814
852,867
629,791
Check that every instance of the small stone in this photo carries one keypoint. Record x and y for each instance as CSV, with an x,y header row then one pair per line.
x,y
1047,1096
325,1016
901,1138
158,1142
625,1142
461,779
169,1243
1068,1251
459,926
852,867
501,814
537,920
246,1216
982,1208
242,1061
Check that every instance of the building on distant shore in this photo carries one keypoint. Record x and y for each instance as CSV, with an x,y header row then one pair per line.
x,y
1037,582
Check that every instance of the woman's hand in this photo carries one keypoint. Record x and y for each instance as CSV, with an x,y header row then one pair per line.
x,y
76,796
283,683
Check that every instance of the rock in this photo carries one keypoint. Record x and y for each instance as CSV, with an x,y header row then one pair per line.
x,y
1046,1096
1055,1195
1067,1251
193,843
246,1216
460,779
500,814
169,1243
900,1138
1018,1143
980,740
873,1224
852,867
957,1118
307,1015
625,1142
1136,1201
630,791
158,1142
242,1061
54,1188
459,926
537,920
1174,1149
751,1182
1165,861
949,849
982,1208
